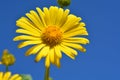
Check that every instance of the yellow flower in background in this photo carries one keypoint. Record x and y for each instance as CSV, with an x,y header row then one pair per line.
x,y
51,32
7,58
7,76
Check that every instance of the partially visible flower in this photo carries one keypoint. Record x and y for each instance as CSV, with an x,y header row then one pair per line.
x,y
51,31
64,3
7,59
8,76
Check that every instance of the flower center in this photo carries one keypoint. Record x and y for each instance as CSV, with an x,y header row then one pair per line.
x,y
51,36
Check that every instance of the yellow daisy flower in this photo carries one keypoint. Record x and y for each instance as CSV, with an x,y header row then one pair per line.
x,y
7,76
51,32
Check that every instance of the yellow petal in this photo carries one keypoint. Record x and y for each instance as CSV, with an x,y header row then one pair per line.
x,y
6,76
59,17
18,78
35,15
51,54
34,49
74,52
82,24
42,53
57,51
27,25
74,28
0,62
68,53
47,16
76,46
53,14
64,17
58,62
23,31
34,20
70,23
1,75
76,33
25,37
14,77
47,61
26,43
76,40
41,15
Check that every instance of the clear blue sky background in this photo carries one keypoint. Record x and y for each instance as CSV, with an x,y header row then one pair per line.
x,y
102,59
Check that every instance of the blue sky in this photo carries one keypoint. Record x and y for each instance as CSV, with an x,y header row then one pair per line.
x,y
100,62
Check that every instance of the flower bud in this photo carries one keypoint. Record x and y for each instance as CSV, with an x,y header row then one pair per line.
x,y
64,3
7,58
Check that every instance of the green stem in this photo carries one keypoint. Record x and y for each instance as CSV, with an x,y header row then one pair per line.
x,y
7,68
46,77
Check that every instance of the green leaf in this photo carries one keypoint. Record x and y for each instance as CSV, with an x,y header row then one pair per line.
x,y
26,77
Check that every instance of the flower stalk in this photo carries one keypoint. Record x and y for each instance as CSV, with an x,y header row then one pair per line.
x,y
47,70
7,68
